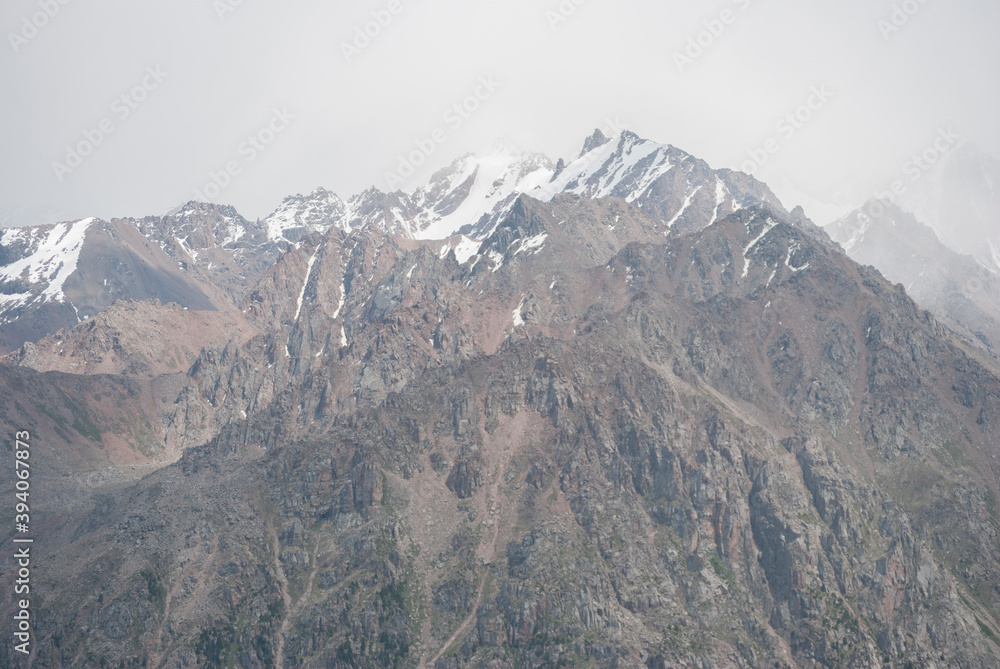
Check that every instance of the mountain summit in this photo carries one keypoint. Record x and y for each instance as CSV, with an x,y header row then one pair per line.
x,y
473,193
200,248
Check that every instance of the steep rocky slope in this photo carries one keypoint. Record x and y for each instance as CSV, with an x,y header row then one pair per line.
x,y
590,441
134,339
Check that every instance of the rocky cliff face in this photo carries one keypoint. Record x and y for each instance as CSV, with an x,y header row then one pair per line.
x,y
589,440
135,339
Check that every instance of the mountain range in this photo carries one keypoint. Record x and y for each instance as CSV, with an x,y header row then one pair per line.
x,y
627,411
205,256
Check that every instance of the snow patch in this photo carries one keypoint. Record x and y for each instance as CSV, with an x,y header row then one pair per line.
x,y
302,293
465,249
687,203
343,298
770,225
497,260
518,321
859,234
720,197
533,244
792,248
236,233
183,243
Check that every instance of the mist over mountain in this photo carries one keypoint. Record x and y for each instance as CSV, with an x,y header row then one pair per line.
x,y
958,199
959,289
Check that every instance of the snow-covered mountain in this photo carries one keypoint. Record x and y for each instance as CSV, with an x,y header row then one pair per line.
x,y
300,214
55,276
471,194
470,189
474,193
208,256
667,183
959,198
45,258
200,256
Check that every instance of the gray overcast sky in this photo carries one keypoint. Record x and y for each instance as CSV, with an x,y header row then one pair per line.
x,y
230,63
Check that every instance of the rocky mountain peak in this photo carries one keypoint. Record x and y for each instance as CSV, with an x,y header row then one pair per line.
x,y
592,142
299,214
475,191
